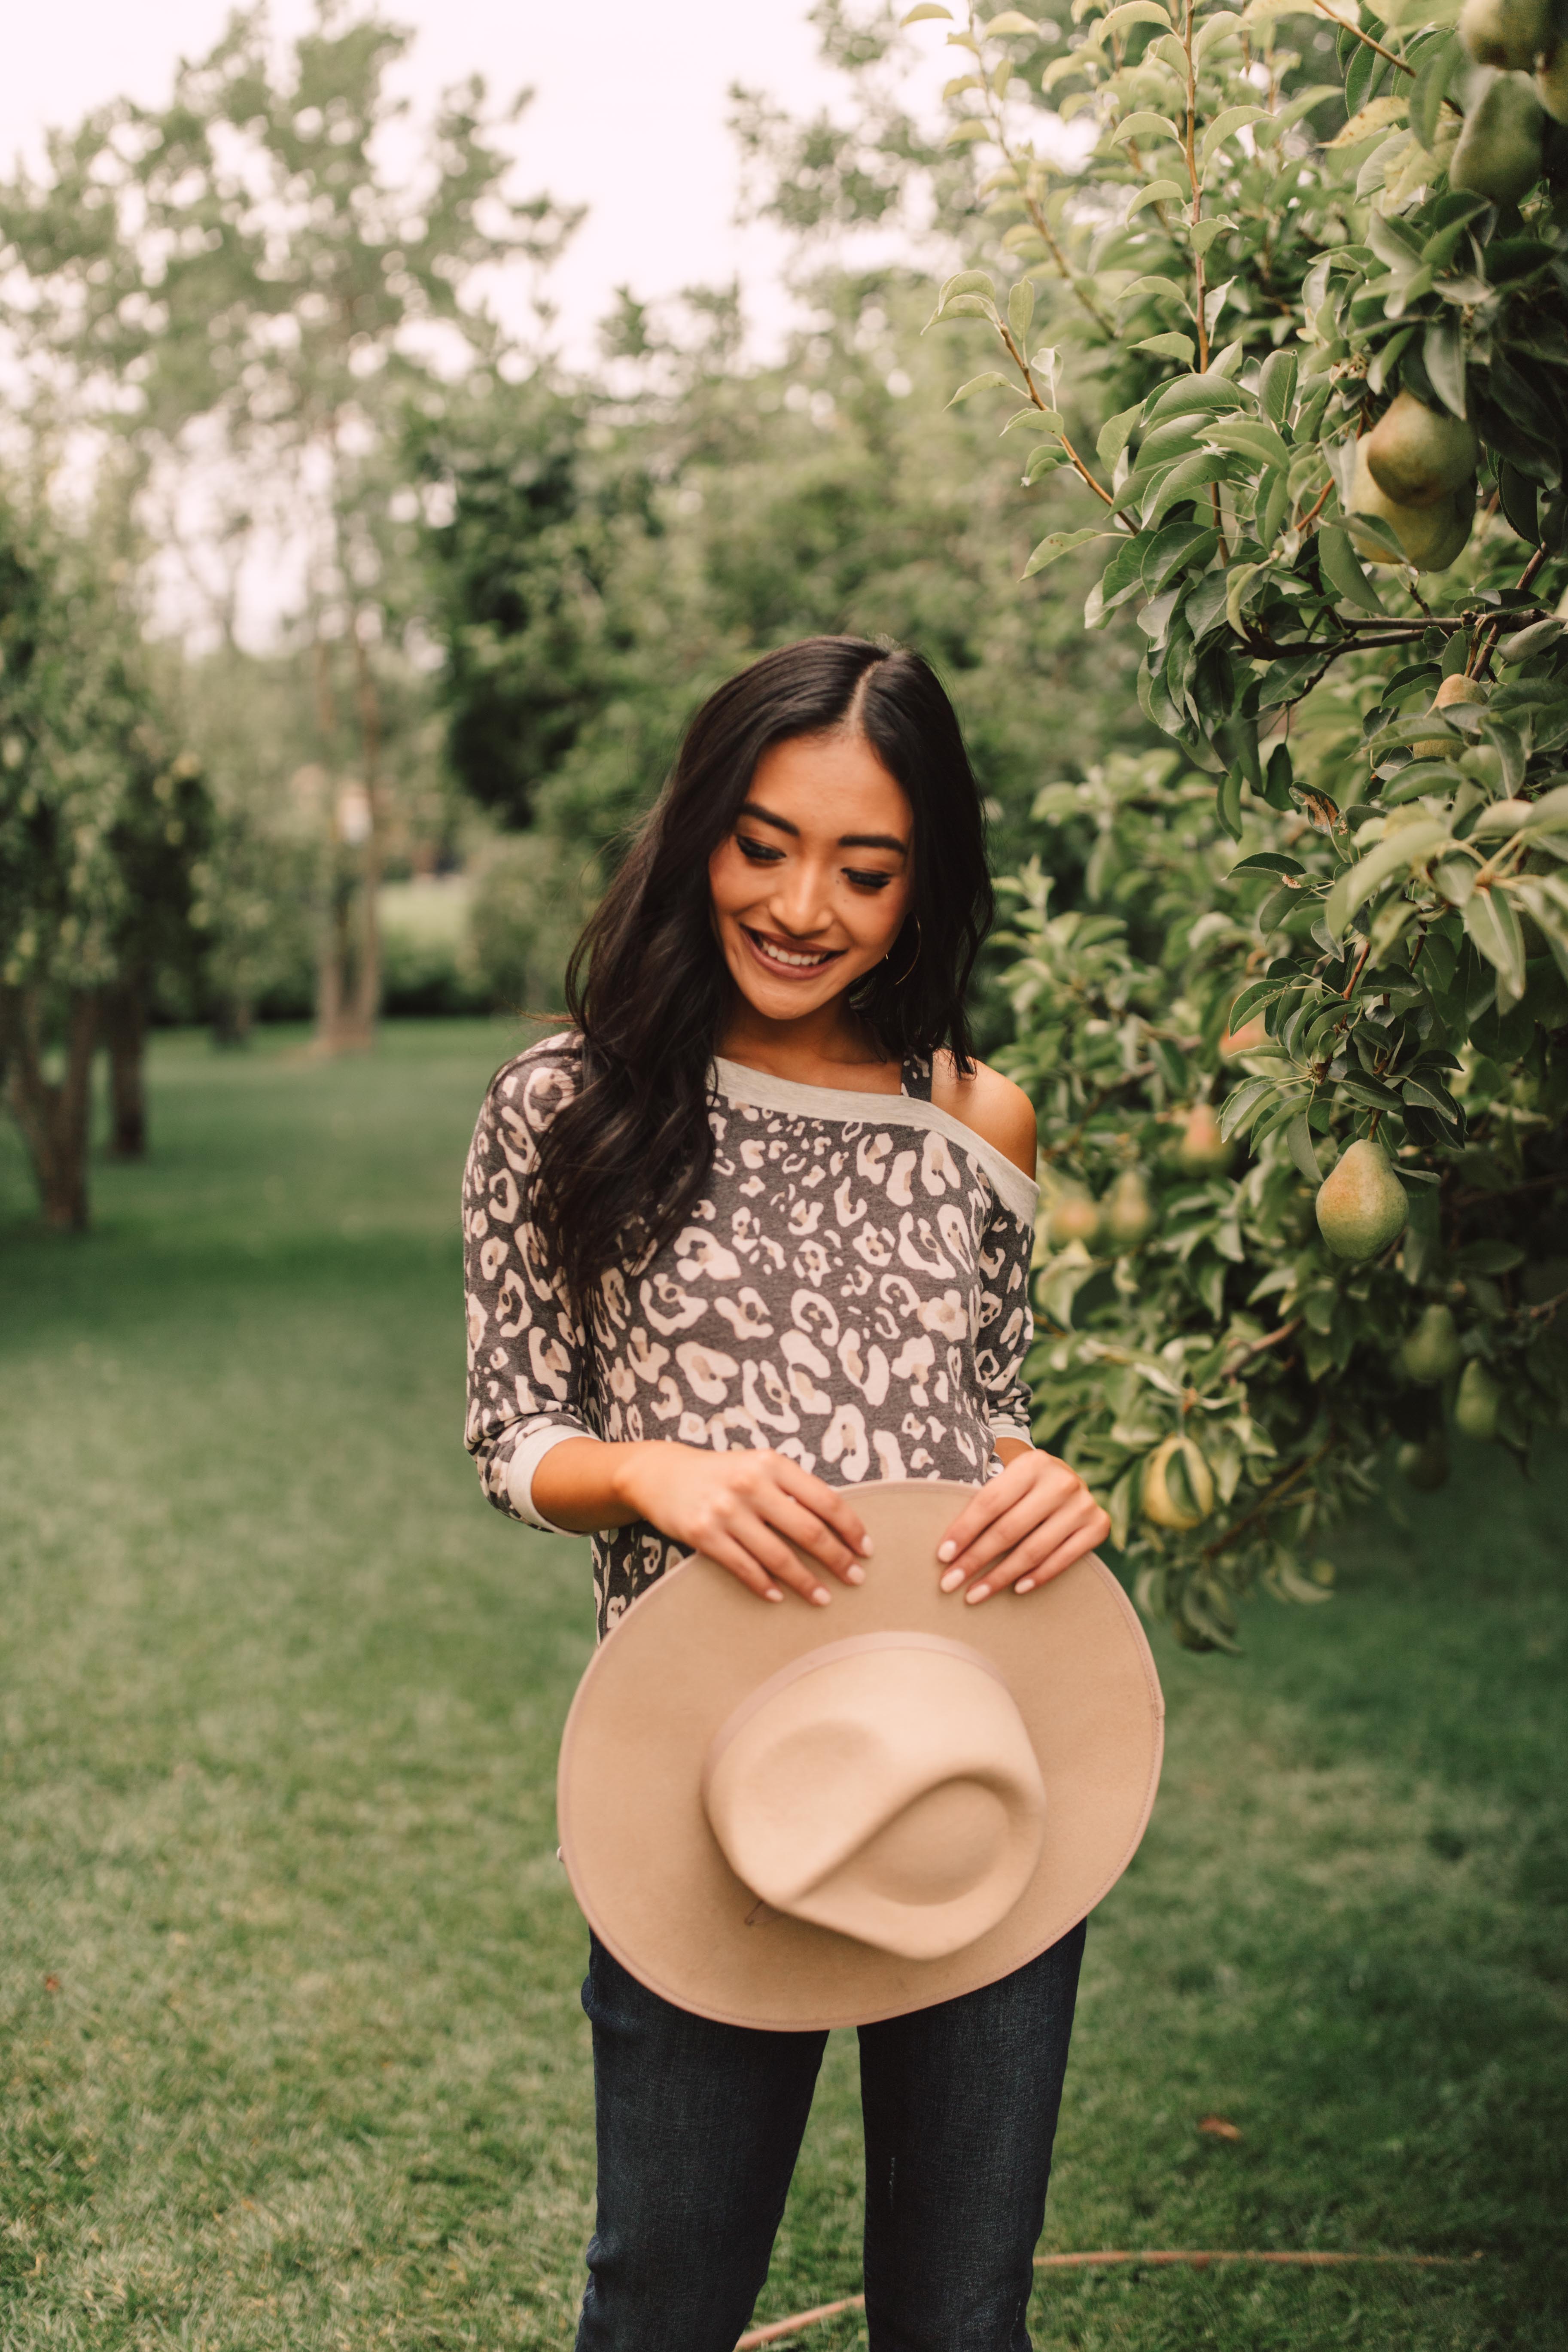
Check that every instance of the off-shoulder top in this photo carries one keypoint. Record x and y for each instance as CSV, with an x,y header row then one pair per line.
x,y
850,1289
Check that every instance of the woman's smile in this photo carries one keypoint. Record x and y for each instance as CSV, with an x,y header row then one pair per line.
x,y
780,956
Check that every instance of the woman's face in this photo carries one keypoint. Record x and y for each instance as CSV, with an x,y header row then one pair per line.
x,y
811,888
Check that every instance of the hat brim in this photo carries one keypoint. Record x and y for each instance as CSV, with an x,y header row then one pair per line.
x,y
646,1869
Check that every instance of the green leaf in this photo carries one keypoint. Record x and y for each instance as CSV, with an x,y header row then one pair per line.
x,y
1141,126
1172,346
967,281
1021,310
1251,437
1045,460
1158,192
1298,1143
1550,810
1009,24
1343,569
927,8
1180,547
1203,234
965,133
1132,12
1399,852
1227,802
1443,355
1431,83
1225,126
1044,420
1115,433
1267,861
1057,544
1195,396
1240,579
1491,924
992,381
1525,644
1184,480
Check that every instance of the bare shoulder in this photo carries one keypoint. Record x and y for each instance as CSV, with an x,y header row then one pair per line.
x,y
1000,1113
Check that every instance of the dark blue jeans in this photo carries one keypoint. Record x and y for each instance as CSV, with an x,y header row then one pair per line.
x,y
700,2125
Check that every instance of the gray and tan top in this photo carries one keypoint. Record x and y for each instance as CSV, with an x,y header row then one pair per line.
x,y
851,1289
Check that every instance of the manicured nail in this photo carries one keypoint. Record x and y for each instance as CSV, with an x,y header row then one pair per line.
x,y
866,1547
978,1592
821,1597
952,1580
1025,1584
854,1575
772,1593
946,1550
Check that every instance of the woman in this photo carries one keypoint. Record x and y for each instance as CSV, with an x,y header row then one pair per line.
x,y
756,1230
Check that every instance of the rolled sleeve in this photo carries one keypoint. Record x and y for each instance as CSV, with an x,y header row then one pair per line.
x,y
529,1376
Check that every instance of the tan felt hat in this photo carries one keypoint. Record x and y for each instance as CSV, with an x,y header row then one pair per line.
x,y
791,1817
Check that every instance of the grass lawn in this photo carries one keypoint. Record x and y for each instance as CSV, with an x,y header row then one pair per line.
x,y
289,1971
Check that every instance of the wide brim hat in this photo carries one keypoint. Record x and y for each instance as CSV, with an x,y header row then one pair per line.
x,y
791,1817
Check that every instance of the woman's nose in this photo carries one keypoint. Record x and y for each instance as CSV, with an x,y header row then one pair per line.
x,y
801,901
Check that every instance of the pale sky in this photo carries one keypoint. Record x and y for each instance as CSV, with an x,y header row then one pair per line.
x,y
629,115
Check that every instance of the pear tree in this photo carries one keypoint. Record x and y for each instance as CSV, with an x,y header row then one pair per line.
x,y
1272,299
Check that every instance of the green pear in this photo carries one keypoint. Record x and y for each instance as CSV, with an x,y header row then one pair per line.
x,y
1552,83
1361,1204
1128,1210
1178,1486
1498,154
1418,455
1475,1406
1202,1147
1505,31
1426,1465
1431,535
1457,688
1073,1217
1432,1350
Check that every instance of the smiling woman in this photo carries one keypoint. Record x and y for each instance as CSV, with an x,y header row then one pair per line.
x,y
757,1232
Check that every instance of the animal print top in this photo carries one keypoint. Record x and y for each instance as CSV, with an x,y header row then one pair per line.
x,y
851,1289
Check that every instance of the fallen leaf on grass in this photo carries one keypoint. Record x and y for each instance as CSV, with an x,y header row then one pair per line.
x,y
51,1984
1217,2127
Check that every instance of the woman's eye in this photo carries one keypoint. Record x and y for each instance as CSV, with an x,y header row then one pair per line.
x,y
867,881
760,853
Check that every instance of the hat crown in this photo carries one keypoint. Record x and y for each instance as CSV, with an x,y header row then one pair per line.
x,y
884,1787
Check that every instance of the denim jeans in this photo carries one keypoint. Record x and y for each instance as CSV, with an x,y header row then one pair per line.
x,y
700,2125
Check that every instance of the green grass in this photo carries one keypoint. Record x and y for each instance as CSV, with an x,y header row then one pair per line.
x,y
289,1971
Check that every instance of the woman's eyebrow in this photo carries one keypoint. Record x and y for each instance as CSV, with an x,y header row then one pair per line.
x,y
846,840
874,841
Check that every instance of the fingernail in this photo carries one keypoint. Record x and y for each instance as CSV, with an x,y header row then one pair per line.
x,y
1025,1584
772,1593
821,1598
978,1592
952,1580
866,1547
853,1575
945,1551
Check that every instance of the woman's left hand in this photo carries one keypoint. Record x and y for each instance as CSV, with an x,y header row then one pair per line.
x,y
1021,1528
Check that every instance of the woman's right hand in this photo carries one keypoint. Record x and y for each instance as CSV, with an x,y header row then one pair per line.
x,y
743,1510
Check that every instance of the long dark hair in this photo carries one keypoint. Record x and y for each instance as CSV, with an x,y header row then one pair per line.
x,y
622,1162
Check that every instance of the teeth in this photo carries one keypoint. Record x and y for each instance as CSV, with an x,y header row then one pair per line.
x,y
782,955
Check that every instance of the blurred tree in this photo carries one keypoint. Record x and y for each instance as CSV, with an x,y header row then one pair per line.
x,y
714,509
241,284
100,831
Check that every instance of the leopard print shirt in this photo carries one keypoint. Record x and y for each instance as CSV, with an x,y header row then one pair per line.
x,y
851,1289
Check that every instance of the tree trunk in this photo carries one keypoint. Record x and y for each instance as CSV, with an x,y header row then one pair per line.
x,y
125,1029
231,1020
52,1114
366,1001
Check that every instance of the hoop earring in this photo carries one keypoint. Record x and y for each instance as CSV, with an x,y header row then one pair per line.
x,y
913,959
